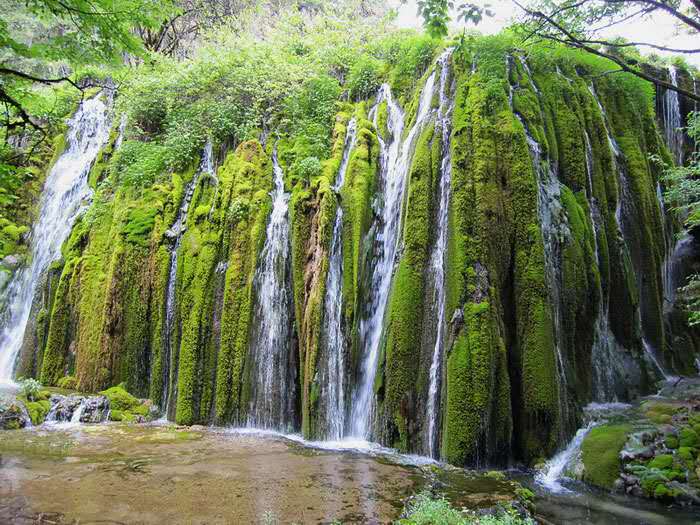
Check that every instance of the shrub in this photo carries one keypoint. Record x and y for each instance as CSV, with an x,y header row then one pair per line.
x,y
29,388
139,164
309,168
364,78
68,382
427,510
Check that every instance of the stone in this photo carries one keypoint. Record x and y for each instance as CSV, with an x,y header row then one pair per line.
x,y
639,453
78,409
11,261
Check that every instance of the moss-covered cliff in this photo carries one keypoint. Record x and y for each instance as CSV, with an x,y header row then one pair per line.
x,y
520,359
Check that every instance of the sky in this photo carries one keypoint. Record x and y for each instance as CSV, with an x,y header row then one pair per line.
x,y
660,30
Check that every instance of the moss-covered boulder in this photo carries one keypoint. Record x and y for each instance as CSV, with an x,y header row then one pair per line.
x,y
124,406
601,454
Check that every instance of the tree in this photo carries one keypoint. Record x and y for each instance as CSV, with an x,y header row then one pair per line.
x,y
75,33
582,24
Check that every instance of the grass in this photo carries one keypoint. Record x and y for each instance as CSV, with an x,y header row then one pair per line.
x,y
426,509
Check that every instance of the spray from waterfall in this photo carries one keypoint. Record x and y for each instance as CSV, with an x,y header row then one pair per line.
x,y
273,382
396,158
333,368
65,194
443,125
176,232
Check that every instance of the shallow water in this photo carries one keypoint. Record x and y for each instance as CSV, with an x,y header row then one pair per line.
x,y
583,505
158,474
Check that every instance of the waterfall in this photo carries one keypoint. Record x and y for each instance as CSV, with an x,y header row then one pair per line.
x,y
672,118
273,386
395,161
550,476
673,122
555,230
332,377
176,232
443,125
605,353
622,216
65,193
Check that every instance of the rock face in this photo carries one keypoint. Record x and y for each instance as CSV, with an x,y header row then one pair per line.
x,y
553,271
654,454
13,415
78,409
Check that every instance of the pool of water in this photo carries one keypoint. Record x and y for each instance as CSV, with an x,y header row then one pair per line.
x,y
117,473
158,473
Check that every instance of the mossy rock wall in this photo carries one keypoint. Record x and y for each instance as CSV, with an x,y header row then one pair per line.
x,y
101,314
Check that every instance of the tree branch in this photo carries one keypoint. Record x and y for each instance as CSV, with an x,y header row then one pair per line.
x,y
574,41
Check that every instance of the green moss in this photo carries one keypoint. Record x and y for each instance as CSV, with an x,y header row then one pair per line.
x,y
600,453
249,172
67,382
671,441
688,438
662,461
122,401
38,410
687,453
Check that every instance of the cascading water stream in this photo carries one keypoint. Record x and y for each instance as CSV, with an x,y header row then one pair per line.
x,y
176,232
673,122
396,156
622,215
333,369
273,368
672,118
65,193
555,230
554,470
605,353
443,125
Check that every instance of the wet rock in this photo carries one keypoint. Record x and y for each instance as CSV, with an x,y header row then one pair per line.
x,y
635,490
11,261
78,409
637,453
13,415
629,480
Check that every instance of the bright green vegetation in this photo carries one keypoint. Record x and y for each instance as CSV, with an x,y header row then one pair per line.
x,y
425,509
601,454
124,406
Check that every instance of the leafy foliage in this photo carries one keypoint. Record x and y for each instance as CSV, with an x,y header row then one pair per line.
x,y
29,388
427,510
683,196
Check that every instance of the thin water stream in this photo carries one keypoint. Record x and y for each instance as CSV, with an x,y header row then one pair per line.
x,y
396,152
443,125
333,370
176,232
273,368
66,193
